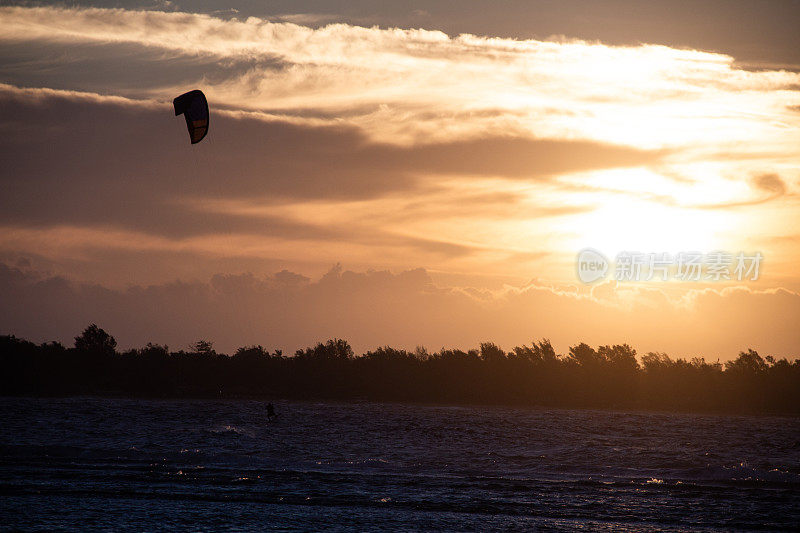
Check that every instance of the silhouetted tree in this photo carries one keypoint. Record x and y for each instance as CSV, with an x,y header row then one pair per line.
x,y
251,353
620,356
492,353
203,347
95,341
334,349
748,362
584,355
155,351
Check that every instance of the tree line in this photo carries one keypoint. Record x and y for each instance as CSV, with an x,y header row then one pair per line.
x,y
606,377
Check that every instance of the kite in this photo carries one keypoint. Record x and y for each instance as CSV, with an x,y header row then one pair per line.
x,y
194,108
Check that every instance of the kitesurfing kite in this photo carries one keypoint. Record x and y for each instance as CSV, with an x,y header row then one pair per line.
x,y
194,108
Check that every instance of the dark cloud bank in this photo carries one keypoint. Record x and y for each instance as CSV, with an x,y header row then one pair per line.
x,y
289,311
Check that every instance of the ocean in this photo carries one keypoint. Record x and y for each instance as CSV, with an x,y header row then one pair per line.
x,y
90,464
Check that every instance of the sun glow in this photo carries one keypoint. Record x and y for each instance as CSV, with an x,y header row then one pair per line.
x,y
645,226
641,210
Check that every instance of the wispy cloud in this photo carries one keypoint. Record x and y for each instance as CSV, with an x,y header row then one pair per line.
x,y
419,85
769,187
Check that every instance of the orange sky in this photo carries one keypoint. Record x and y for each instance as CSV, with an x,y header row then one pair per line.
x,y
455,175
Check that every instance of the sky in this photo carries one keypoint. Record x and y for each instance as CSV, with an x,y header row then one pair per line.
x,y
401,173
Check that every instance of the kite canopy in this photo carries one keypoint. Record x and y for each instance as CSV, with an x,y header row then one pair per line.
x,y
194,108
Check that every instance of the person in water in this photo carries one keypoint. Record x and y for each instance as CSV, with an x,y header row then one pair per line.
x,y
271,412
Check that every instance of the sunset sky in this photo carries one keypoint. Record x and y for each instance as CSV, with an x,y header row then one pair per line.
x,y
401,173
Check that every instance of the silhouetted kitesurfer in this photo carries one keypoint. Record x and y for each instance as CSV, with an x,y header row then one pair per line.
x,y
271,412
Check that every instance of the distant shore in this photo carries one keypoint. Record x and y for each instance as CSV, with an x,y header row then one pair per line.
x,y
608,378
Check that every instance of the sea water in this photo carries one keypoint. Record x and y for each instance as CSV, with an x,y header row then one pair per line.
x,y
84,464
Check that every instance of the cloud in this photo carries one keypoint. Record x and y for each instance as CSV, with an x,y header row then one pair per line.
x,y
287,310
770,183
388,147
107,172
407,85
308,19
